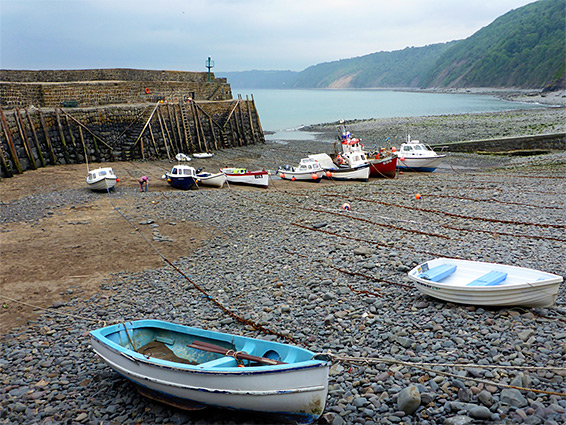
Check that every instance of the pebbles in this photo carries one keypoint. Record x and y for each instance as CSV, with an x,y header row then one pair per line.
x,y
299,281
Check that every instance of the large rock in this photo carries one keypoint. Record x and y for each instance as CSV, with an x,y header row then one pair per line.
x,y
409,399
512,397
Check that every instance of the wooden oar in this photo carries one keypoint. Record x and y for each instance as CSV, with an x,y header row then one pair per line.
x,y
205,346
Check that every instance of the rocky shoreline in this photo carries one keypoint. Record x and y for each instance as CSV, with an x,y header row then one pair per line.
x,y
290,259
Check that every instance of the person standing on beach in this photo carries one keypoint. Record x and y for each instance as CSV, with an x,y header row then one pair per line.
x,y
144,183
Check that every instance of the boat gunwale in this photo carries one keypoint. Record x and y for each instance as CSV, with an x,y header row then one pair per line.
x,y
101,337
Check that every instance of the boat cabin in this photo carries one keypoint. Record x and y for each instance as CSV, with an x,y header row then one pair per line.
x,y
182,171
308,165
99,173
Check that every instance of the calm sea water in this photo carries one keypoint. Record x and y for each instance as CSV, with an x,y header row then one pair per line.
x,y
284,110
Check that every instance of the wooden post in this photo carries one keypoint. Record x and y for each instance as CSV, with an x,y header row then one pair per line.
x,y
62,136
24,137
231,112
201,129
70,131
186,128
177,146
84,146
37,145
262,136
145,126
163,134
250,118
171,143
153,141
11,146
47,139
241,122
193,110
213,133
73,140
211,122
179,128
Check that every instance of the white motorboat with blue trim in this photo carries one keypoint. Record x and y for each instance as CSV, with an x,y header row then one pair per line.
x,y
416,156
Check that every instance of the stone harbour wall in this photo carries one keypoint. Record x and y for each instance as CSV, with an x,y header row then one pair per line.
x,y
97,87
37,137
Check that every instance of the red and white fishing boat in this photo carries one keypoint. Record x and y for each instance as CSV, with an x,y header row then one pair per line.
x,y
383,163
245,176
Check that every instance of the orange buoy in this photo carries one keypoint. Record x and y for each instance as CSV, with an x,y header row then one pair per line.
x,y
418,196
147,90
282,175
293,178
314,176
328,174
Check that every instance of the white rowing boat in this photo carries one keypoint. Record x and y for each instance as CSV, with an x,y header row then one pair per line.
x,y
488,284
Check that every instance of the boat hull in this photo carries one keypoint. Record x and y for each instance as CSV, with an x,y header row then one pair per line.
x,y
182,183
360,173
214,180
254,178
306,176
102,184
386,167
425,164
298,388
521,287
202,155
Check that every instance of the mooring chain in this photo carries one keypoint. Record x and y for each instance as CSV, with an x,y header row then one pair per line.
x,y
493,220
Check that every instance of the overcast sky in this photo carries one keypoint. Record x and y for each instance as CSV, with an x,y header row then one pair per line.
x,y
238,34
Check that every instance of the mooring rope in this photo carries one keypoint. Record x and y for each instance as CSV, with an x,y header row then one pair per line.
x,y
427,367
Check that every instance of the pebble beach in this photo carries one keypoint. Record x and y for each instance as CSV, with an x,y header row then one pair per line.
x,y
292,260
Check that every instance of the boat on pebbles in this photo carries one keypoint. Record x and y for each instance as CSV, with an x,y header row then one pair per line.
x,y
485,284
210,179
101,179
308,170
193,368
245,176
416,156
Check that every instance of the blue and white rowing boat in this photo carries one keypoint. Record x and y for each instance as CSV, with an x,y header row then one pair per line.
x,y
194,368
489,284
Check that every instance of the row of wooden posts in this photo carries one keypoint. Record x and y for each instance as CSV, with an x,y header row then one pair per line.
x,y
233,132
209,131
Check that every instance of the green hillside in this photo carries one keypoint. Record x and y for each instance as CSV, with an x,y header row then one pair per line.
x,y
401,68
524,48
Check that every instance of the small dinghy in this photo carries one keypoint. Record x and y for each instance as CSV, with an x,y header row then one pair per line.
x,y
210,179
192,368
488,284
101,179
245,176
202,155
307,170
